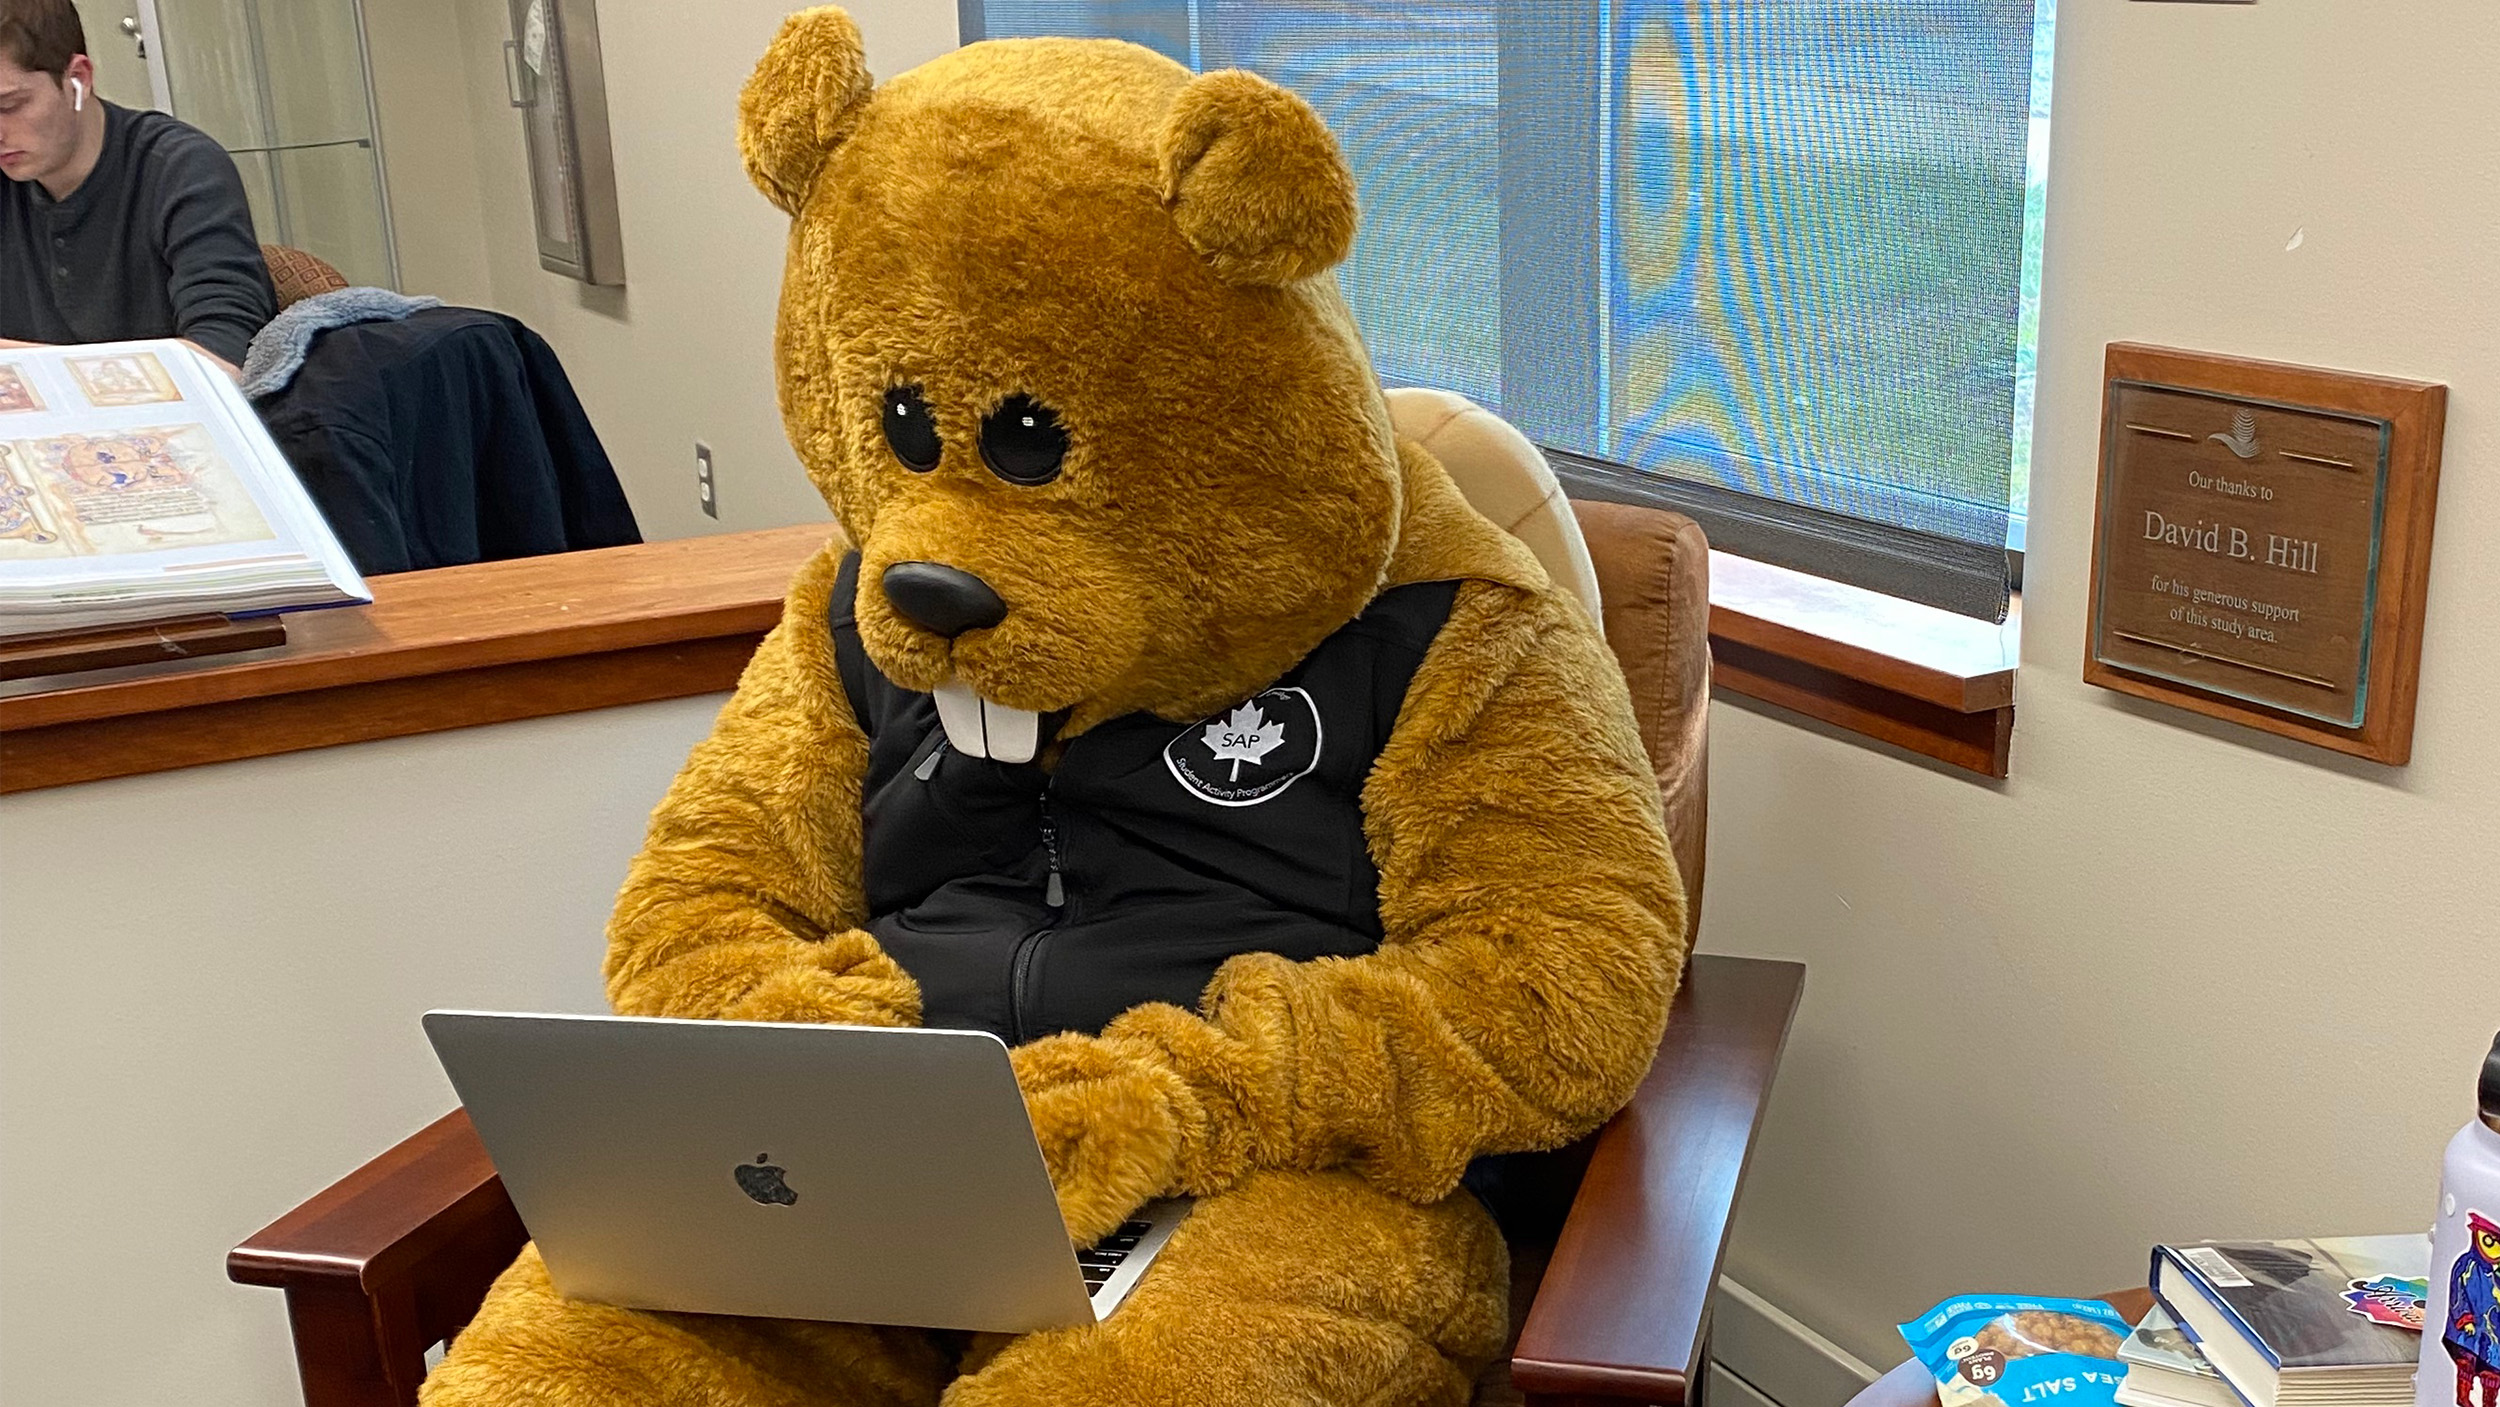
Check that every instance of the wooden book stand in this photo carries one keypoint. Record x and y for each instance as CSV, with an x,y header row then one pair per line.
x,y
184,637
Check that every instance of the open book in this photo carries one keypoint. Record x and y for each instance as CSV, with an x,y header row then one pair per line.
x,y
137,485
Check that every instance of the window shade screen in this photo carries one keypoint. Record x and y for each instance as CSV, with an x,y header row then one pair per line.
x,y
1771,261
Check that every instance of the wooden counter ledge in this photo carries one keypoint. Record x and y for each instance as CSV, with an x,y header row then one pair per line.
x,y
436,650
545,635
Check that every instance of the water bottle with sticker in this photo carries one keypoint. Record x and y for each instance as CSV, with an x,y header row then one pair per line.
x,y
2461,1320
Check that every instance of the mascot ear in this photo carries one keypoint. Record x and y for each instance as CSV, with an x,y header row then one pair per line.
x,y
801,103
1255,181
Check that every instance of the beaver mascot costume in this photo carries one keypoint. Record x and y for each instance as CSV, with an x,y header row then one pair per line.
x,y
1160,712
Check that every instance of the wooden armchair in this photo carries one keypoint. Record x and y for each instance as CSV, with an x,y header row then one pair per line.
x,y
1614,1307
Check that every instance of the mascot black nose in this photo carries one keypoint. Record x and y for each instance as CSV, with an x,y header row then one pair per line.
x,y
941,599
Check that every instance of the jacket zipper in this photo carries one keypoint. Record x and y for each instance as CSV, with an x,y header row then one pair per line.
x,y
1022,973
1054,889
1055,898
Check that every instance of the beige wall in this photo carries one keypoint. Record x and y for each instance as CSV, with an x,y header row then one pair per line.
x,y
684,351
209,989
2173,979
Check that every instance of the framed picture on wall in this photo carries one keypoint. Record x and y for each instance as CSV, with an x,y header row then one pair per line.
x,y
553,69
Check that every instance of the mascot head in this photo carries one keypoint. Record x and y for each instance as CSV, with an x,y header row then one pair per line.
x,y
1060,346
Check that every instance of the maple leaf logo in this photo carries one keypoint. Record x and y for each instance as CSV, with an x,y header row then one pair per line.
x,y
1244,735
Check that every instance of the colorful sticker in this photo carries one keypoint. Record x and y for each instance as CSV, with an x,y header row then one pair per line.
x,y
2470,1326
2396,1302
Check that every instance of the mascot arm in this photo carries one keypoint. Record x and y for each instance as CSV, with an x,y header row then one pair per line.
x,y
745,900
1535,927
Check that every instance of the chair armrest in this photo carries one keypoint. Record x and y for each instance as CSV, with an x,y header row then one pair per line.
x,y
1624,1308
370,1227
389,1261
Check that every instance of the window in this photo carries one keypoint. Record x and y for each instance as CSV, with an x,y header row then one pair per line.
x,y
1774,262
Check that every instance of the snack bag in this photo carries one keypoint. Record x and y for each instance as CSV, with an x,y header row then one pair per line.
x,y
2016,1351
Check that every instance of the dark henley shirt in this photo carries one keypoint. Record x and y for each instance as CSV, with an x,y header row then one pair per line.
x,y
157,242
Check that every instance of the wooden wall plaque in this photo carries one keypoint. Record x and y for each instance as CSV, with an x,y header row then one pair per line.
x,y
2261,548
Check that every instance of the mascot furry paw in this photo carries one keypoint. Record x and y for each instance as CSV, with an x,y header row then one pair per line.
x,y
1164,715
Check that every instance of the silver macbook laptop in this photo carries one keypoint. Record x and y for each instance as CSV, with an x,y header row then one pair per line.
x,y
862,1174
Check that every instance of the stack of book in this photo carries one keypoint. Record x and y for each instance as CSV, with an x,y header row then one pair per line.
x,y
2327,1323
2164,1368
137,485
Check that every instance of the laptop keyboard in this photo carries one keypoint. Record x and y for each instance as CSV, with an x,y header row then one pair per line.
x,y
1106,1255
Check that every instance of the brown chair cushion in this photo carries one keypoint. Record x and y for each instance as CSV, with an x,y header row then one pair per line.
x,y
299,275
1653,573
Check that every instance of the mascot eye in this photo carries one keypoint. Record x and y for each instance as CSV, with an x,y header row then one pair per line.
x,y
1022,441
910,430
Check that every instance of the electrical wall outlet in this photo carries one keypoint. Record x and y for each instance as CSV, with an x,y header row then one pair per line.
x,y
703,480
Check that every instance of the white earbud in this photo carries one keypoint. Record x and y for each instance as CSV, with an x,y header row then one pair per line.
x,y
78,95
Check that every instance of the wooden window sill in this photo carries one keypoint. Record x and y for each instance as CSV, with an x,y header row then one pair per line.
x,y
1923,680
436,650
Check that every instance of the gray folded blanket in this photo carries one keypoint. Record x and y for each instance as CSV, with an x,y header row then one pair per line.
x,y
278,351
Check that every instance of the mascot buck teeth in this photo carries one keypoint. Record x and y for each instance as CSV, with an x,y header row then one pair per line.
x,y
1160,712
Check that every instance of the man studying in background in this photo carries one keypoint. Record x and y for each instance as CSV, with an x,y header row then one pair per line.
x,y
114,223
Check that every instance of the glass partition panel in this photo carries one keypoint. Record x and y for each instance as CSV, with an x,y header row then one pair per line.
x,y
283,85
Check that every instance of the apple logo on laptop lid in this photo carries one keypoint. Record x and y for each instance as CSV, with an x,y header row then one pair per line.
x,y
762,1181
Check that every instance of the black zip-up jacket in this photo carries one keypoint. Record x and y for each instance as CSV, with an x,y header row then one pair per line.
x,y
1026,902
447,437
